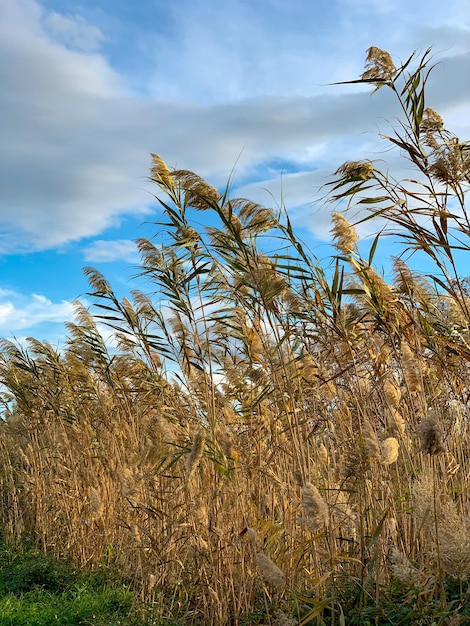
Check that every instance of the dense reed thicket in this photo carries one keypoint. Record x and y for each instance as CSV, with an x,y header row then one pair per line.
x,y
272,440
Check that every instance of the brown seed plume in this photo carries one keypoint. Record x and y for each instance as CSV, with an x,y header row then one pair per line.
x,y
269,571
314,508
431,436
390,448
196,452
344,234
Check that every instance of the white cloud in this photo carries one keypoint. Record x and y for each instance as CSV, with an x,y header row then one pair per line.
x,y
76,139
103,251
19,312
74,31
274,47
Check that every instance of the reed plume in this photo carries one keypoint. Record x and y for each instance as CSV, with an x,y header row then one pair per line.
x,y
196,453
269,571
390,449
314,509
431,436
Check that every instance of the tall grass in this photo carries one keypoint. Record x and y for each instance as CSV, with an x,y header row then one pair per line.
x,y
271,438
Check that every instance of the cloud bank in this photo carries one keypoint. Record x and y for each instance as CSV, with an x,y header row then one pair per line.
x,y
77,132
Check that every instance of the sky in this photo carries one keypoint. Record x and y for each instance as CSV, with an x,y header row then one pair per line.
x,y
241,87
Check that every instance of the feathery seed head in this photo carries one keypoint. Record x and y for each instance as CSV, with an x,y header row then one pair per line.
x,y
355,171
188,234
96,503
269,571
398,421
431,121
423,501
431,436
314,508
392,394
160,172
198,193
344,234
196,452
454,536
390,448
371,441
401,566
411,370
451,162
323,453
379,66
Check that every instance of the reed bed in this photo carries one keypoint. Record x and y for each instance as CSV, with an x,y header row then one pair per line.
x,y
274,439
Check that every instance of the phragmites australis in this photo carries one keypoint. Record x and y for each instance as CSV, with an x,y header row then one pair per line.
x,y
96,503
454,536
196,452
390,448
398,421
282,619
198,193
392,394
314,508
424,502
355,171
431,121
411,369
323,453
451,162
160,172
371,442
379,66
431,436
401,567
344,234
269,571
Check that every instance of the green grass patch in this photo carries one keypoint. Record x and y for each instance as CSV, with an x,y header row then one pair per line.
x,y
38,590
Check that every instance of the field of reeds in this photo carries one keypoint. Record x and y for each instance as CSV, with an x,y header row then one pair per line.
x,y
273,440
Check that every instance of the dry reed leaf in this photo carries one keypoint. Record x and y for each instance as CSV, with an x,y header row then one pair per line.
x,y
452,465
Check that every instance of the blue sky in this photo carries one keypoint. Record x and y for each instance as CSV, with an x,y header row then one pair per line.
x,y
88,89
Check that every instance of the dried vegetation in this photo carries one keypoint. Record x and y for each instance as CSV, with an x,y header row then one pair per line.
x,y
269,431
